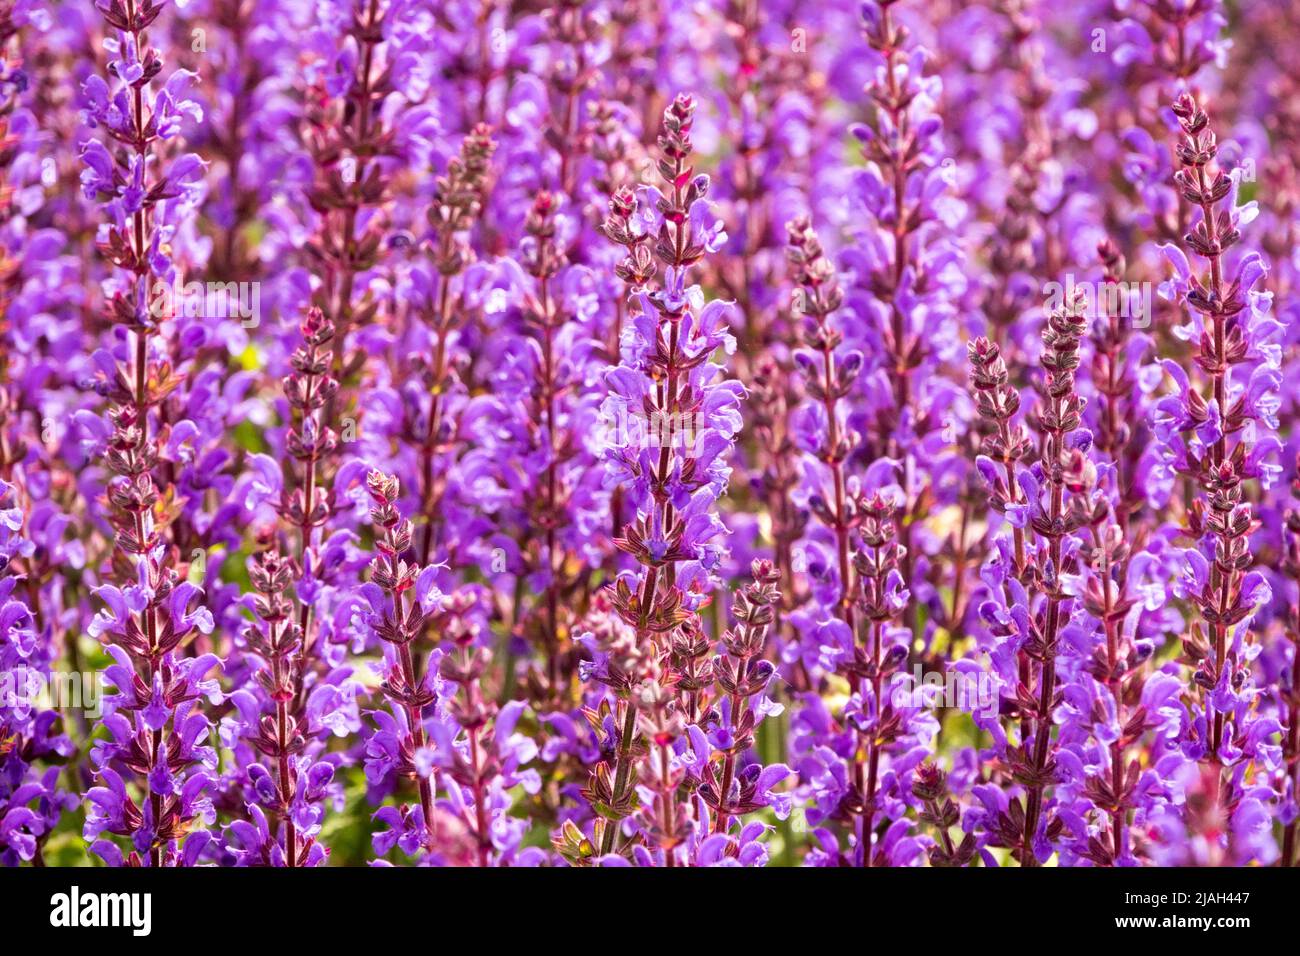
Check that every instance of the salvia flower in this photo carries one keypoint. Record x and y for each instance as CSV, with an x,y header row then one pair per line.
x,y
414,456
1222,439
674,418
157,732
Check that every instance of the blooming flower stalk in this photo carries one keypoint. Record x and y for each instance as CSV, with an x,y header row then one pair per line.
x,y
156,731
1223,440
456,203
673,459
1049,502
289,656
742,684
401,733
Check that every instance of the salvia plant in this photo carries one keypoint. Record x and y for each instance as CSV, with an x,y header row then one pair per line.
x,y
593,433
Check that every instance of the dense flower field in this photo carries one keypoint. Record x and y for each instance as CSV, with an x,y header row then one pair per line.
x,y
649,432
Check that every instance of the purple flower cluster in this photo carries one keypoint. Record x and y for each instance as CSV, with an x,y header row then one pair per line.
x,y
592,433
